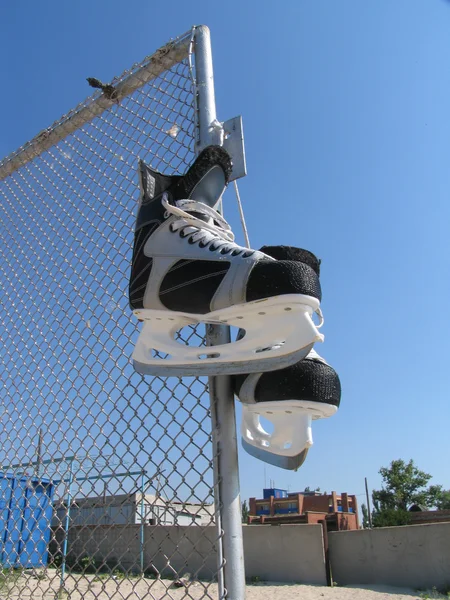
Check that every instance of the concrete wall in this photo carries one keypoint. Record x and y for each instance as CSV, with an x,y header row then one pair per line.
x,y
112,543
289,553
189,549
416,556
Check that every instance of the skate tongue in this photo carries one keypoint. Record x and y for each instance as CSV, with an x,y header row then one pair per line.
x,y
210,187
207,178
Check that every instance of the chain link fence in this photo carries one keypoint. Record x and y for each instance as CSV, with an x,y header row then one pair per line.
x,y
98,463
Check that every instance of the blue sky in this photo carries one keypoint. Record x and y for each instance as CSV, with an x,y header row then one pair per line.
x,y
347,130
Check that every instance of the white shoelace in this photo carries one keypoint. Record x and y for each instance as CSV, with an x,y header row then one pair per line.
x,y
206,232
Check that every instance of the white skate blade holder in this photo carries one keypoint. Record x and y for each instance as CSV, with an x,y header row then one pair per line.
x,y
279,332
291,439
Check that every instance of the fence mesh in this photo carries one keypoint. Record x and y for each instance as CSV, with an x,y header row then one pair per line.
x,y
96,461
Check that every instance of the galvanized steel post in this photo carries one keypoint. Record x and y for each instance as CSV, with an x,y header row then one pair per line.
x,y
226,469
66,526
142,527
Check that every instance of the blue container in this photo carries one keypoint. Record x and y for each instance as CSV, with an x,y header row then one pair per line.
x,y
26,512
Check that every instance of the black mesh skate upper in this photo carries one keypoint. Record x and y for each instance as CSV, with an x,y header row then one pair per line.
x,y
152,213
309,379
295,272
293,253
200,280
274,278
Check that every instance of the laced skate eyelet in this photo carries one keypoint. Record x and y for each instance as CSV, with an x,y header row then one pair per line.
x,y
191,241
212,248
202,244
166,214
182,235
171,228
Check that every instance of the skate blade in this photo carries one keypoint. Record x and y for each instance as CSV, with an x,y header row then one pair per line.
x,y
291,439
290,463
279,332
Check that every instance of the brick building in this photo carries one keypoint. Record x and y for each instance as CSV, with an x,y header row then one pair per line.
x,y
279,506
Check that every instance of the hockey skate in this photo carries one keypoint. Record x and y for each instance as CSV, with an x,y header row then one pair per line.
x,y
186,269
290,398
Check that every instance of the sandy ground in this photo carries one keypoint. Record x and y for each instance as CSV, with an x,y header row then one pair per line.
x,y
90,588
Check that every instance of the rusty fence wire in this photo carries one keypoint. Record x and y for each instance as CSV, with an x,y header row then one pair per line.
x,y
97,463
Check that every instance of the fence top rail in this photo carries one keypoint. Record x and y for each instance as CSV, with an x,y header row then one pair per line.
x,y
132,79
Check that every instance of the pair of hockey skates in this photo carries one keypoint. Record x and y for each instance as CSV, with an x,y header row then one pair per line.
x,y
186,269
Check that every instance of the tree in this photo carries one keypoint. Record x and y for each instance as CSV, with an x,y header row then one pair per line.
x,y
390,517
308,489
403,485
443,499
245,511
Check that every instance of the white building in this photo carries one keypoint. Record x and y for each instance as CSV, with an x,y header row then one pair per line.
x,y
129,509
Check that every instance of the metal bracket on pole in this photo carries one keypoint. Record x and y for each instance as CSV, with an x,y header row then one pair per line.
x,y
226,470
233,142
230,135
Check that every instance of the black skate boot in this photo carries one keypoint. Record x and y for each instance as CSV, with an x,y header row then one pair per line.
x,y
290,398
187,269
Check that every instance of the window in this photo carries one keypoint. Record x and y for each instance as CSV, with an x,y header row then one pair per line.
x,y
292,505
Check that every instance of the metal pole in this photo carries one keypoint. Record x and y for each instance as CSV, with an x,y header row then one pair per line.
x,y
42,462
208,132
369,512
227,478
97,477
142,524
39,453
226,469
153,67
66,527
